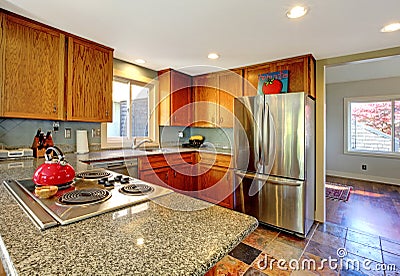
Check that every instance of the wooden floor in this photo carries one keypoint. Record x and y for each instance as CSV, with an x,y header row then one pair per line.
x,y
372,207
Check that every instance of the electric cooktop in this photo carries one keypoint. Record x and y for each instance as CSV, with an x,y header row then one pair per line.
x,y
92,193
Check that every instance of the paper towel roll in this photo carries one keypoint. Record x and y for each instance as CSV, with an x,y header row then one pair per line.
x,y
82,145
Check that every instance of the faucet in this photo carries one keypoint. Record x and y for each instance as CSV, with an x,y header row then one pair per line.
x,y
135,146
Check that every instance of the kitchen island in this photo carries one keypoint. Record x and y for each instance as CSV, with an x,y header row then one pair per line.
x,y
171,235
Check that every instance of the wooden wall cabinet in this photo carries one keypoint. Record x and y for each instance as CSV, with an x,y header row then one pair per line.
x,y
214,95
43,75
89,82
301,74
175,105
31,70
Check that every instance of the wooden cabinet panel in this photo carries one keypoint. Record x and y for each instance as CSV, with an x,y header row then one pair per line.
x,y
216,186
158,176
301,74
181,178
181,99
32,70
175,107
229,87
89,82
205,100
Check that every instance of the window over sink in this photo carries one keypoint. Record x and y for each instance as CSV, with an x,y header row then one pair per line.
x,y
133,105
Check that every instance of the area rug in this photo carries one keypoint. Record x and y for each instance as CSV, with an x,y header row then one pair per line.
x,y
337,191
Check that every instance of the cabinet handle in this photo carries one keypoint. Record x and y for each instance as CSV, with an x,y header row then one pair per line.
x,y
166,176
221,119
174,174
54,109
106,113
212,119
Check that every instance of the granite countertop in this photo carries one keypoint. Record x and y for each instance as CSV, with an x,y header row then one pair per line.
x,y
112,154
172,235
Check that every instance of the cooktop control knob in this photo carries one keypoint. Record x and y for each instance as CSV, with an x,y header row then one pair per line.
x,y
125,180
102,181
112,181
118,177
108,184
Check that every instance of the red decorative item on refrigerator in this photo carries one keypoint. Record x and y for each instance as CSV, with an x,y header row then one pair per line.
x,y
54,172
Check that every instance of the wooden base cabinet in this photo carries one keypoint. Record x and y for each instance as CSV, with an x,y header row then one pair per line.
x,y
158,176
216,185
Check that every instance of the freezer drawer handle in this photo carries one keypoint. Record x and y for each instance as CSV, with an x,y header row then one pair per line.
x,y
269,179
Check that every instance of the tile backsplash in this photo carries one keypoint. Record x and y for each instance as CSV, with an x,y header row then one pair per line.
x,y
214,137
18,133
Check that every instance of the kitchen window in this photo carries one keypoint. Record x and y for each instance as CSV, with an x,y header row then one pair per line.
x,y
132,118
372,126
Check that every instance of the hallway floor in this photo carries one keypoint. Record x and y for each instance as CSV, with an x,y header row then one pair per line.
x,y
365,230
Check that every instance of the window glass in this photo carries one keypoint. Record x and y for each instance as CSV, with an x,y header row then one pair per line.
x,y
397,126
371,126
120,97
140,111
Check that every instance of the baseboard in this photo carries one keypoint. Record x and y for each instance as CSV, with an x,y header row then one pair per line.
x,y
385,180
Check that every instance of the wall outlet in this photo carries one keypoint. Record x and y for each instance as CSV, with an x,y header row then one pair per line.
x,y
364,167
180,134
96,132
56,126
67,133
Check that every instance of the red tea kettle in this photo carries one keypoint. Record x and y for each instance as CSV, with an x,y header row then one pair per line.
x,y
54,172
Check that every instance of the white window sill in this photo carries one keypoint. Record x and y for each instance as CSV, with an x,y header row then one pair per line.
x,y
374,154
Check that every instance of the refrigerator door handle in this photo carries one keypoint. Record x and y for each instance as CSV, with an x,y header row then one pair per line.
x,y
269,179
259,157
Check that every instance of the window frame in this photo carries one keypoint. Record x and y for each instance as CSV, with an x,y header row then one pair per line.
x,y
347,126
126,142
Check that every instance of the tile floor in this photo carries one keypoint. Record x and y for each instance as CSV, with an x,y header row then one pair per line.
x,y
367,226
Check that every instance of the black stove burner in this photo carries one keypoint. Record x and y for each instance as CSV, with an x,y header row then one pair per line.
x,y
136,189
93,174
85,196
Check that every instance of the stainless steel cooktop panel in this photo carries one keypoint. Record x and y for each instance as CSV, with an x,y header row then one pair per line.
x,y
23,191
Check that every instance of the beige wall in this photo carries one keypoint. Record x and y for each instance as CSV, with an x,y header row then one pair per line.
x,y
321,118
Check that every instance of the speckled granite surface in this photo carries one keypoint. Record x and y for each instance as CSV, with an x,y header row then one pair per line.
x,y
147,239
130,153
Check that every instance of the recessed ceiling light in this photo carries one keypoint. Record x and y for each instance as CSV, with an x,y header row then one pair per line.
x,y
296,12
140,61
391,28
213,56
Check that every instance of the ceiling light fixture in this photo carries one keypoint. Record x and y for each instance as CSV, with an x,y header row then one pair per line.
x,y
296,12
140,61
391,27
213,56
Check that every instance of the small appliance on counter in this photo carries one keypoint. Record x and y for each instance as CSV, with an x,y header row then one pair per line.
x,y
41,142
15,153
195,141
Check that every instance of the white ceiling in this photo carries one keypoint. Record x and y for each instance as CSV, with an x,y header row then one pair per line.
x,y
180,33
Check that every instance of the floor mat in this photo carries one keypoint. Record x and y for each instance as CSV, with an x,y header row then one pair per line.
x,y
337,191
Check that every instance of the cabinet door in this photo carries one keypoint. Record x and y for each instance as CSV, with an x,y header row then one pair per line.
x,y
181,99
181,179
89,82
158,176
32,70
251,77
230,86
298,73
216,185
205,100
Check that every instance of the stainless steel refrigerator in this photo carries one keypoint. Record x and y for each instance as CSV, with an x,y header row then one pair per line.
x,y
274,138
